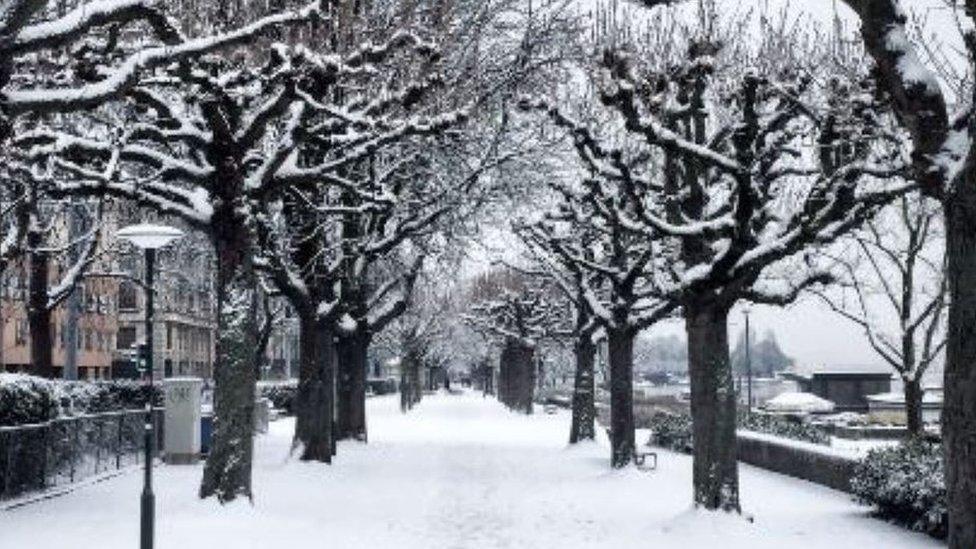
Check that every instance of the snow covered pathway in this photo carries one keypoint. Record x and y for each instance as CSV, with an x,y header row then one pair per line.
x,y
457,472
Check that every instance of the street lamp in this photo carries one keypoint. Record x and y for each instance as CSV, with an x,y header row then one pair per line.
x,y
745,312
150,238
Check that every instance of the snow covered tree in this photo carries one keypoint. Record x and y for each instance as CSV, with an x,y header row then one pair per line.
x,y
943,150
610,266
518,312
894,269
575,284
40,248
723,196
189,151
350,205
423,334
766,355
96,65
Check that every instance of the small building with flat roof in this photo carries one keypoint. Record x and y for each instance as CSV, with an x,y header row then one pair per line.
x,y
847,387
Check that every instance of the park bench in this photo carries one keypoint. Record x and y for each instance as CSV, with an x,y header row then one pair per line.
x,y
640,457
641,461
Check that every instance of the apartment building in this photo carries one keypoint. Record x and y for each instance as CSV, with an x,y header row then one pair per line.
x,y
184,327
95,341
91,308
108,307
281,359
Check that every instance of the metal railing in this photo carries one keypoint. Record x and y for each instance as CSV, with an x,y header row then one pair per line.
x,y
59,452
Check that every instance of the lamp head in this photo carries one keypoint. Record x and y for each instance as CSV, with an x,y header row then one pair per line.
x,y
149,237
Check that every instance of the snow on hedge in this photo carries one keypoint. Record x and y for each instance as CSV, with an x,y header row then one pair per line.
x,y
26,399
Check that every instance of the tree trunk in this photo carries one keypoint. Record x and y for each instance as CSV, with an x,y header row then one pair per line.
x,y
3,270
620,344
316,386
352,351
913,407
505,368
584,409
410,390
38,313
716,475
959,408
516,380
489,380
405,403
416,383
527,372
227,473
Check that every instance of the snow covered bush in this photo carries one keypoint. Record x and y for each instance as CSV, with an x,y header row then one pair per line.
x,y
92,397
672,431
906,484
28,399
785,427
280,393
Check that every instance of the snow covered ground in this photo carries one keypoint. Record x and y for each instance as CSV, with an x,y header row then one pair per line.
x,y
457,472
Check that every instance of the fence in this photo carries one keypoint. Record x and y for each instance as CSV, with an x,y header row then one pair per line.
x,y
65,450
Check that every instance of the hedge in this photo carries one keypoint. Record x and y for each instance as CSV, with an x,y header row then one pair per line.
x,y
674,430
783,426
280,393
28,399
906,485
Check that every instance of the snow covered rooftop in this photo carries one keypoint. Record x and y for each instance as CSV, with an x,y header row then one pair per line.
x,y
799,402
929,397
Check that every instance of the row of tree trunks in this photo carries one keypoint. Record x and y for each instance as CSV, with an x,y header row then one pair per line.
x,y
620,350
315,402
584,408
713,408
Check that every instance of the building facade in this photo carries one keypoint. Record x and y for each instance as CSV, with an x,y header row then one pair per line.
x,y
96,330
84,326
281,355
184,324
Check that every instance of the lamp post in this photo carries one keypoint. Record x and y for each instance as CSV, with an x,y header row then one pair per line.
x,y
745,312
150,238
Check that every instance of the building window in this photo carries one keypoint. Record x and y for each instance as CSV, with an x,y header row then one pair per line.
x,y
125,338
127,296
20,333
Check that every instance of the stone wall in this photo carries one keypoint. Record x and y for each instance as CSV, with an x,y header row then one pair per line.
x,y
819,464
